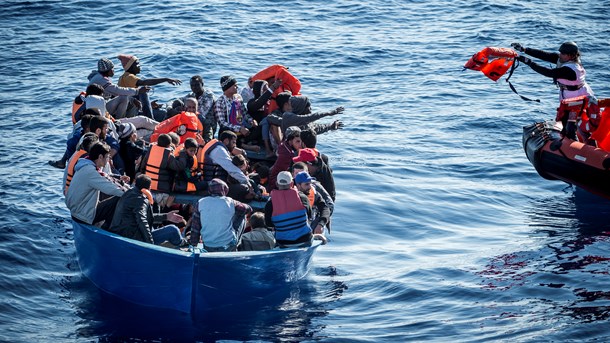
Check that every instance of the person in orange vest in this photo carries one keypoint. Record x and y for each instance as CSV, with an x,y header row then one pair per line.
x,y
161,165
320,212
185,124
186,179
82,151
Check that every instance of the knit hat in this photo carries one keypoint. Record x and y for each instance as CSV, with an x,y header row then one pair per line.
x,y
126,129
104,65
218,187
282,98
303,177
305,155
227,82
299,104
96,102
127,61
291,131
283,178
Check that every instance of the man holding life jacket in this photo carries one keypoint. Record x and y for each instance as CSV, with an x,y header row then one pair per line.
x,y
218,220
289,212
84,196
131,65
205,100
118,97
161,165
185,124
134,217
320,212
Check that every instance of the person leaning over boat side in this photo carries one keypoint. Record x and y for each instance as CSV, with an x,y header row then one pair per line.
x,y
288,211
218,220
117,106
131,65
83,197
320,212
81,152
301,116
569,74
134,217
230,111
285,152
206,100
274,118
259,237
318,169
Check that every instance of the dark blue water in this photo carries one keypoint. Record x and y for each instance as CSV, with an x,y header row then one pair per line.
x,y
443,231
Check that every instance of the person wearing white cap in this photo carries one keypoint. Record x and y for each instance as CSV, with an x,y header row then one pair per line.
x,y
288,211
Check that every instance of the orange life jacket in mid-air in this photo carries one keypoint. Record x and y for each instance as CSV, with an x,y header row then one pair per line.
x,y
491,61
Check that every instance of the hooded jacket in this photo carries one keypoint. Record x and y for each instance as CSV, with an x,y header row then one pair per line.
x,y
134,217
84,192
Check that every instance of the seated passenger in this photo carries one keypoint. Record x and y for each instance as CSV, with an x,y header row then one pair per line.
x,y
288,211
320,212
161,165
130,151
259,237
87,142
186,179
134,217
185,124
218,220
316,185
318,169
285,152
84,195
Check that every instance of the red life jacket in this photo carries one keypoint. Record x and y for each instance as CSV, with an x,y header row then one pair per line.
x,y
185,124
493,62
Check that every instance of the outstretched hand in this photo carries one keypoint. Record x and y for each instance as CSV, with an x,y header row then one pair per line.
x,y
337,124
524,59
518,47
338,110
174,217
174,82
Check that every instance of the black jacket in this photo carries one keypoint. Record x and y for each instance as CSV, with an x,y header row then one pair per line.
x,y
134,218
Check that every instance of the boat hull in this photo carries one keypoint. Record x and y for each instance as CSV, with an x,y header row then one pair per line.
x,y
189,282
557,158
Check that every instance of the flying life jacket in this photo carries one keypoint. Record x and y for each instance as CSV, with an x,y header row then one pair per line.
x,y
155,168
77,107
185,124
493,62
289,215
71,165
289,82
206,165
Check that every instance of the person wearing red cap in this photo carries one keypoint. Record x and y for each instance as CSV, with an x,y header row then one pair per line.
x,y
131,65
318,169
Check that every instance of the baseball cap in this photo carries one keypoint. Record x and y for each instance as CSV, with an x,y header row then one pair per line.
x,y
284,178
303,177
305,155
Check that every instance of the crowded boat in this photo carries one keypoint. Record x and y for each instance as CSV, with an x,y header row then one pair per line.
x,y
221,168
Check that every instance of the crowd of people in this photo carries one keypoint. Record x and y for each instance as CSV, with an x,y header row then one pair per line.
x,y
127,157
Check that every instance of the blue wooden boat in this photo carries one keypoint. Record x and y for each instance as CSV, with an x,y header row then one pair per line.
x,y
191,282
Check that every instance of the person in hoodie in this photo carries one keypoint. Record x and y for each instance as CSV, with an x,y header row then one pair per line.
x,y
257,108
118,98
134,217
302,117
93,195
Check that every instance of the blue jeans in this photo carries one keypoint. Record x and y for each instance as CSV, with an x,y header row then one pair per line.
x,y
169,233
265,126
146,106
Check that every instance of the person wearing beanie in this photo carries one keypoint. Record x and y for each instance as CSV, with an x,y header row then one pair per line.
x,y
218,219
117,97
131,66
230,111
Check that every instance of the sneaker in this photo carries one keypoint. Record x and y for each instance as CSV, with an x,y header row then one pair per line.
x,y
57,164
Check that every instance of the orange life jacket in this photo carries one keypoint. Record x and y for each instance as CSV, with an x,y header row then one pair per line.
x,y
493,62
78,102
185,124
279,72
602,134
154,169
311,196
70,174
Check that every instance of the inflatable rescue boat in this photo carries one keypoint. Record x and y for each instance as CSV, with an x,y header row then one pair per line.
x,y
560,158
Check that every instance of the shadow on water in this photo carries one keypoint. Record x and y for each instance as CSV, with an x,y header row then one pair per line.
x,y
286,315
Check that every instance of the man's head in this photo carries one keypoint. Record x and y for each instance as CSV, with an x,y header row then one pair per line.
x,y
164,140
217,187
303,182
87,142
105,67
299,167
300,105
229,139
99,153
191,146
143,181
292,135
126,131
257,219
241,162
229,85
99,126
174,139
309,138
190,105
568,51
284,180
197,85
94,89
283,101
130,63
85,122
